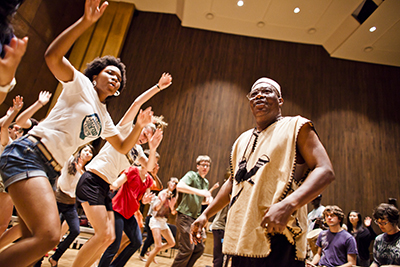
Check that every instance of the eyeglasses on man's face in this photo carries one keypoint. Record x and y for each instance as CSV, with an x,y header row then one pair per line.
x,y
263,91
204,165
381,223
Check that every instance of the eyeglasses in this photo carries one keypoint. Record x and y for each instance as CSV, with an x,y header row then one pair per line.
x,y
205,165
261,91
381,223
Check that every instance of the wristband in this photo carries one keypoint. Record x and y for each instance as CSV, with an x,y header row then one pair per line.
x,y
7,88
159,89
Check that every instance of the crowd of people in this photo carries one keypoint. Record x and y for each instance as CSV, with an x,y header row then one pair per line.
x,y
48,168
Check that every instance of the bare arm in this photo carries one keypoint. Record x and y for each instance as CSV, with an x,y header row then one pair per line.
x,y
120,181
154,142
184,188
124,145
11,113
351,260
321,175
130,114
61,68
9,64
317,257
221,200
23,119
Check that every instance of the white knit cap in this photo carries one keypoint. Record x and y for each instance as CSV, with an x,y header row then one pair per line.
x,y
268,81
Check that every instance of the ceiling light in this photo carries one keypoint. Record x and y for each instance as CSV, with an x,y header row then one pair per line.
x,y
209,15
372,29
368,49
240,3
296,10
260,24
312,31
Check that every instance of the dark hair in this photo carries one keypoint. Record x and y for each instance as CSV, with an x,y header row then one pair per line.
x,y
174,192
100,63
335,210
386,211
350,225
7,9
72,162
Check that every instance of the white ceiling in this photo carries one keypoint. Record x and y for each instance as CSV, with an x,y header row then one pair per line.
x,y
322,22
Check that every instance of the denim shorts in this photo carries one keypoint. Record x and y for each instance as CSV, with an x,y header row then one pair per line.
x,y
23,160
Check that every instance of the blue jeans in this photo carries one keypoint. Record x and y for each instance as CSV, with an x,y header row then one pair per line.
x,y
67,212
23,160
132,230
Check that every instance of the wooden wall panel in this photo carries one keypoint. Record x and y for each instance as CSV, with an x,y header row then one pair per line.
x,y
353,104
41,21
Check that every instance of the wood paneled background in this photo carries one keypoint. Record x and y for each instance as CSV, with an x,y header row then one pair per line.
x,y
354,105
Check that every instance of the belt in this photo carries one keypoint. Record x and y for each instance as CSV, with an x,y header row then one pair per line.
x,y
57,167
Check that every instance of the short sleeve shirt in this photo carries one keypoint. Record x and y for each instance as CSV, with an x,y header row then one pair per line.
x,y
77,119
336,247
191,204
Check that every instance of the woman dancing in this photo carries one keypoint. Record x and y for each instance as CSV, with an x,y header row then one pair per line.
x,y
79,116
158,223
65,196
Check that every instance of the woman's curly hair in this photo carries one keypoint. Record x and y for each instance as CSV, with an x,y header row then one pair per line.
x,y
100,63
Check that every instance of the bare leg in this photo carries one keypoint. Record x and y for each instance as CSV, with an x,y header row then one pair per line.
x,y
103,224
10,235
5,211
36,205
157,233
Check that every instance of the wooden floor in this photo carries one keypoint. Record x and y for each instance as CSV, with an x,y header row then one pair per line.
x,y
69,256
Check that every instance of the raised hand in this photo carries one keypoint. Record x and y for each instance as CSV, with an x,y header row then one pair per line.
x,y
44,97
367,221
147,197
18,102
155,140
165,81
92,10
13,55
144,117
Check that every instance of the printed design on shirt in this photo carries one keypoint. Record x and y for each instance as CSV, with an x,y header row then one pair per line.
x,y
91,126
132,155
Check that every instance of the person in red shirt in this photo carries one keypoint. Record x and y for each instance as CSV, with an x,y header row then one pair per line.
x,y
136,183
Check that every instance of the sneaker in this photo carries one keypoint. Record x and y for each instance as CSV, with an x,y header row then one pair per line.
x,y
142,258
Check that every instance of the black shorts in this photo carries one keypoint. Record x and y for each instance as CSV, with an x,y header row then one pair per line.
x,y
93,189
282,255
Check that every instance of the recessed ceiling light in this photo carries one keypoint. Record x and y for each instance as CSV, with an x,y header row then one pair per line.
x,y
312,31
372,29
260,24
240,3
209,15
296,10
368,49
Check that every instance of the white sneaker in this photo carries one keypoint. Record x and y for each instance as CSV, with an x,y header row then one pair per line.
x,y
142,258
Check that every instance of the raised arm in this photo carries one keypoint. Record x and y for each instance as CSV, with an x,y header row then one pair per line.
x,y
57,63
124,145
11,113
8,65
154,142
130,114
321,175
23,119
